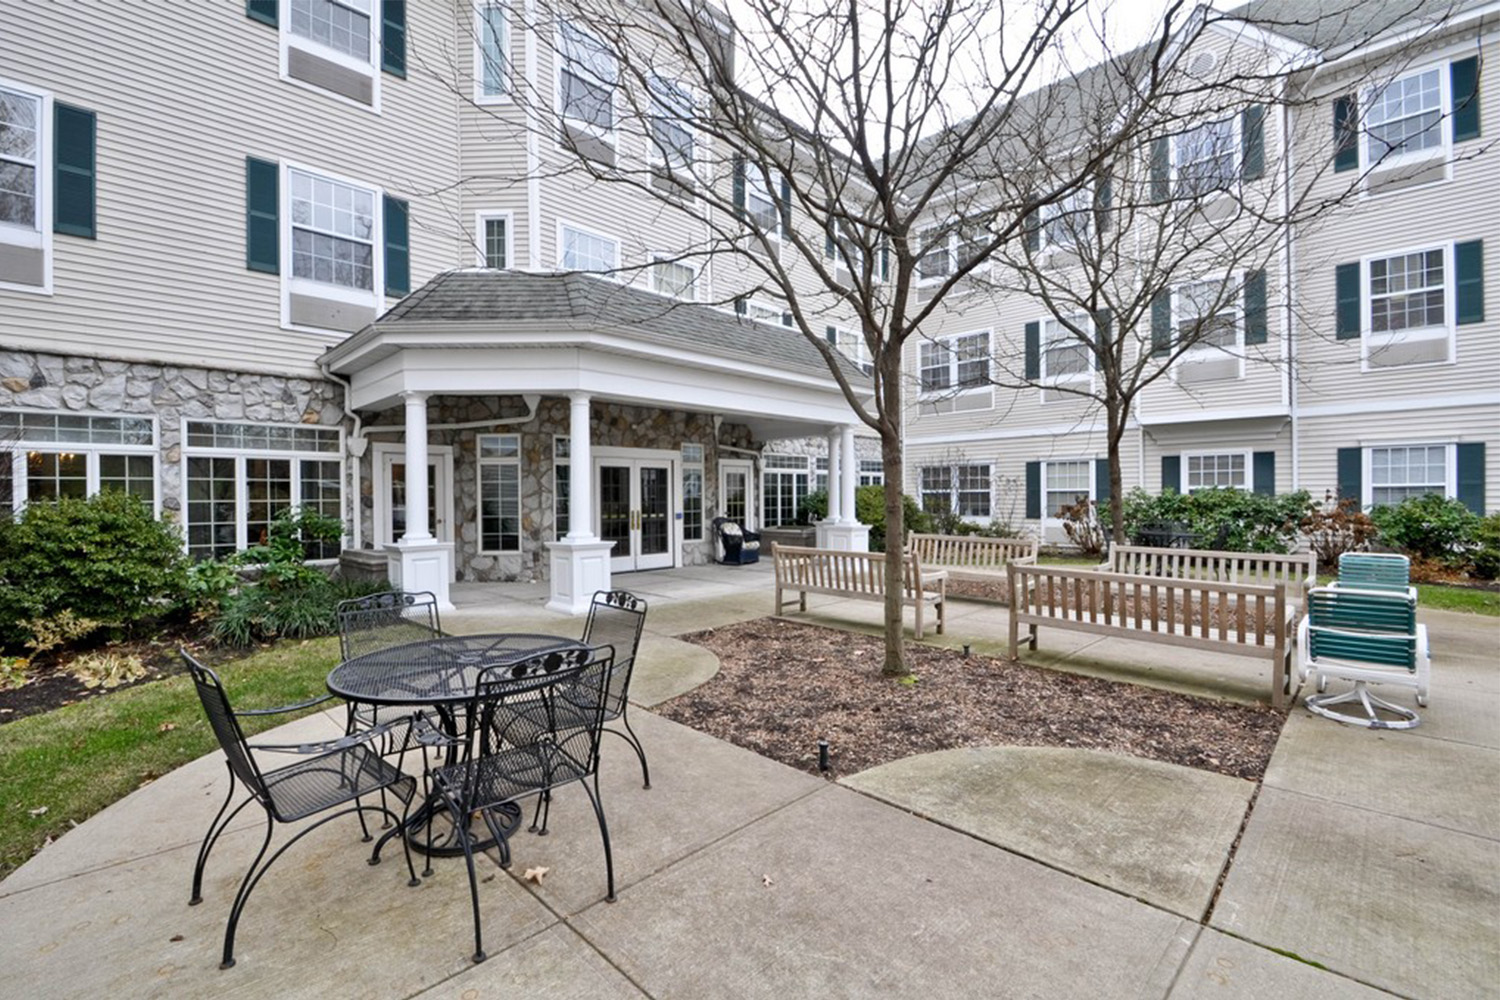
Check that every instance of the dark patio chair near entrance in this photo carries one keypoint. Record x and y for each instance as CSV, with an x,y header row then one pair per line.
x,y
739,546
333,773
518,750
616,619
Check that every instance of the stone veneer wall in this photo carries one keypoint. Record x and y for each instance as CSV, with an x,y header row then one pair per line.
x,y
171,393
613,426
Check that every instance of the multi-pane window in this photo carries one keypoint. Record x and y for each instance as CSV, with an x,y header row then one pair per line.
x,y
851,344
1407,292
1206,472
587,75
341,25
674,277
52,455
561,485
586,251
1066,484
871,472
333,231
496,237
692,492
762,312
820,473
952,250
762,207
1207,314
843,249
1399,473
499,493
960,362
962,489
671,126
1206,159
784,482
240,476
1405,116
20,158
1069,221
494,51
1065,358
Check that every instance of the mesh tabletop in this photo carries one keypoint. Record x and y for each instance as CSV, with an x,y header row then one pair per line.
x,y
435,671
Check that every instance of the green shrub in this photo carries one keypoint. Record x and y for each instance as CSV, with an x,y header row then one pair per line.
x,y
813,507
869,507
1238,520
106,558
1429,527
1487,555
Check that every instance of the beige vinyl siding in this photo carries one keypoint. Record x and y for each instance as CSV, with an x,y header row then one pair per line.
x,y
1320,438
1221,437
182,99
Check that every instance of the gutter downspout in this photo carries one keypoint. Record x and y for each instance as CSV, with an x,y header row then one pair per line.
x,y
533,153
355,446
1288,287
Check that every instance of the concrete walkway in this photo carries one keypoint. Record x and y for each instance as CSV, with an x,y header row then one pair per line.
x,y
1369,864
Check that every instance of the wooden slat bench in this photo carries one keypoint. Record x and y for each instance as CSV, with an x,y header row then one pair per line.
x,y
806,571
1299,571
1240,619
971,557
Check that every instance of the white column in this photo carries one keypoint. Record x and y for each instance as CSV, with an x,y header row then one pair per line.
x,y
417,528
835,487
580,470
843,532
850,478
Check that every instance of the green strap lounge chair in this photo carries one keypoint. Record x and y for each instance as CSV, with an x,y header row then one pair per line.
x,y
1368,636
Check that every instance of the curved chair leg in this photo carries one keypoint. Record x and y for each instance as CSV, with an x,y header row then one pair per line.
x,y
217,827
635,744
609,858
464,840
240,897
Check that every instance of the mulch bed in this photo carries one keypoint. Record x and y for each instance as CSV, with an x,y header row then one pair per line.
x,y
784,685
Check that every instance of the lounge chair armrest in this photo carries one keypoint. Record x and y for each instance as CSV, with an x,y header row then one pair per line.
x,y
284,708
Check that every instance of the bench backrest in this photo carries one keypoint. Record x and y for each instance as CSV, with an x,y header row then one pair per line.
x,y
1375,571
971,551
1297,571
838,570
1243,613
1368,626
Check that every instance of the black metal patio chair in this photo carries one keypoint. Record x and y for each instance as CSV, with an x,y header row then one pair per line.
x,y
616,619
334,773
517,749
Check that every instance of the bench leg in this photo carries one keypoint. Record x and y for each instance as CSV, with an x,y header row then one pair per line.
x,y
1014,650
802,600
778,599
942,616
918,609
1032,641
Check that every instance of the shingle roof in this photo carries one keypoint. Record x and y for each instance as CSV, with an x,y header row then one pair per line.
x,y
589,303
1336,25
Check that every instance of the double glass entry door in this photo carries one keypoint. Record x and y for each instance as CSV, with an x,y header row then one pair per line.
x,y
635,512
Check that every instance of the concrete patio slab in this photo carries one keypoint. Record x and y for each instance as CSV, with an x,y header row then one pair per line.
x,y
556,964
1225,968
667,667
839,895
1174,668
1369,769
1463,648
1155,831
1405,906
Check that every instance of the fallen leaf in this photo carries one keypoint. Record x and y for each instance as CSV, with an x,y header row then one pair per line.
x,y
38,811
767,881
175,937
536,875
166,727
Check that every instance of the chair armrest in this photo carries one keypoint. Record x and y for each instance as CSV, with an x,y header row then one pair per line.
x,y
284,708
750,536
330,746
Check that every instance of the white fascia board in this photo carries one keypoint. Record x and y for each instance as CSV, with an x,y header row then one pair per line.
x,y
1298,55
1402,37
1218,416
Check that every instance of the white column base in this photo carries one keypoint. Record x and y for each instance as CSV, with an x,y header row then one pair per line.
x,y
823,527
578,569
417,566
844,537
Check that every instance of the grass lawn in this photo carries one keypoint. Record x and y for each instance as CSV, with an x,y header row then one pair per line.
x,y
80,758
1442,597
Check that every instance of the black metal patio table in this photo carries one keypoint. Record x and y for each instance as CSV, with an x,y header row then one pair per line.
x,y
441,673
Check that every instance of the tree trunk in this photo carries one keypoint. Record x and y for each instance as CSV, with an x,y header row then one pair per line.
x,y
1114,434
895,529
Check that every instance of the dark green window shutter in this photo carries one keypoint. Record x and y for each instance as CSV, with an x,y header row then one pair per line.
x,y
1171,473
739,187
1263,473
1345,134
831,335
73,171
787,319
1161,324
1253,142
1104,324
1347,292
1034,350
1104,201
1351,471
1034,490
1468,267
1255,307
739,307
830,248
885,260
1471,475
1463,79
262,215
1101,482
1031,226
393,37
397,247
1161,170
263,11
786,208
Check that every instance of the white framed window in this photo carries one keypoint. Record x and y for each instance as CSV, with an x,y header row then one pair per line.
x,y
562,480
492,63
493,236
1403,120
1399,472
785,482
673,143
945,252
1064,484
1409,306
766,312
499,492
1207,314
692,492
674,278
26,178
51,455
1221,470
871,472
820,473
851,344
953,363
843,249
587,74
331,236
1065,358
1069,221
344,26
1206,159
343,33
962,488
238,477
762,205
579,249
